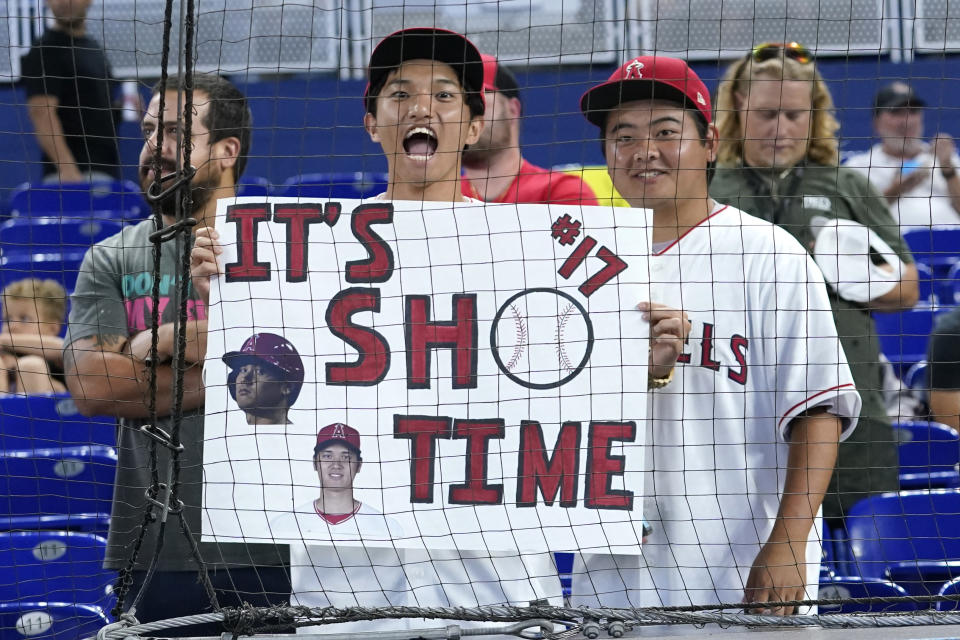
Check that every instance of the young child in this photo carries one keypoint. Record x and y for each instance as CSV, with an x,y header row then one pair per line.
x,y
31,349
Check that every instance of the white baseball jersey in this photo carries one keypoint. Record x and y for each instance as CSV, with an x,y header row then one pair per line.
x,y
324,573
764,348
926,204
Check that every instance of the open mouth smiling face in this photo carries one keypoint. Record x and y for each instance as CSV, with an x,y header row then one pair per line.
x,y
420,143
422,122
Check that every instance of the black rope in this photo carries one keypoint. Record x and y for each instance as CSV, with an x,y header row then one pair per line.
x,y
165,495
185,233
125,579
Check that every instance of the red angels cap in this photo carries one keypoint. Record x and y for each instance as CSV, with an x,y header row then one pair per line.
x,y
643,78
427,43
489,72
271,349
337,432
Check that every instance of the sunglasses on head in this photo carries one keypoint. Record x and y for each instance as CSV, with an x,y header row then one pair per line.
x,y
771,50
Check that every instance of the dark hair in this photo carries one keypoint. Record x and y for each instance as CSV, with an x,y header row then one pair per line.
x,y
471,96
317,449
506,82
228,114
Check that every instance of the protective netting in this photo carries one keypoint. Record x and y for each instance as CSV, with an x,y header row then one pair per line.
x,y
298,335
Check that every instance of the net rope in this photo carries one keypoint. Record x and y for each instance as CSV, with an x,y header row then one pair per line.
x,y
164,499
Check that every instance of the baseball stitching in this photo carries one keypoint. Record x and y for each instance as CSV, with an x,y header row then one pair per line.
x,y
521,337
559,338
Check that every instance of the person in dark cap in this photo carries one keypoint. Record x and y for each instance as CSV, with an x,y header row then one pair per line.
x,y
918,178
494,170
265,378
424,105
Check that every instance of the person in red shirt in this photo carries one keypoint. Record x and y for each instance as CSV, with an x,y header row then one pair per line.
x,y
494,169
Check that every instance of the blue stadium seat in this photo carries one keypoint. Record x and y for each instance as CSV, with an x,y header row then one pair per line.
x,y
54,234
926,285
938,247
951,588
929,455
950,286
334,185
36,422
911,538
904,335
564,562
97,523
254,186
50,620
120,200
62,267
58,566
844,587
57,480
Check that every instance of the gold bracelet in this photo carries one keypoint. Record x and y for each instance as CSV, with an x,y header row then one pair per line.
x,y
659,383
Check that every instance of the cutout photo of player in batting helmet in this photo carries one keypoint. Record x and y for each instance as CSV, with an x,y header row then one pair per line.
x,y
265,378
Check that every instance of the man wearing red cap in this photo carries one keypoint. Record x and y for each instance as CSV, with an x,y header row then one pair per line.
x,y
750,387
494,169
265,378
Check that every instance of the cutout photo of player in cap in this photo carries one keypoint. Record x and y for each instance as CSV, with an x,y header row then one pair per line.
x,y
337,461
265,378
342,551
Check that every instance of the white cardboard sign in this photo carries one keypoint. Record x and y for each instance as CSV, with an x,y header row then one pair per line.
x,y
490,357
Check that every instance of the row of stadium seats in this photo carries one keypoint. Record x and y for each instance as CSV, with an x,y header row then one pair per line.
x,y
904,335
123,200
56,488
907,538
53,584
56,465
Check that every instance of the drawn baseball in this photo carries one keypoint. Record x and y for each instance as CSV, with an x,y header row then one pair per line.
x,y
541,338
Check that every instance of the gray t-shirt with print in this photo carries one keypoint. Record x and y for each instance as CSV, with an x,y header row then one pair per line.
x,y
113,297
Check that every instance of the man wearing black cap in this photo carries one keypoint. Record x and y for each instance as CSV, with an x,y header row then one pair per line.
x,y
494,169
750,389
918,179
424,104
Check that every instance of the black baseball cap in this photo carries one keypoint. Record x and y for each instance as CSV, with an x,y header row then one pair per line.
x,y
897,95
426,43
